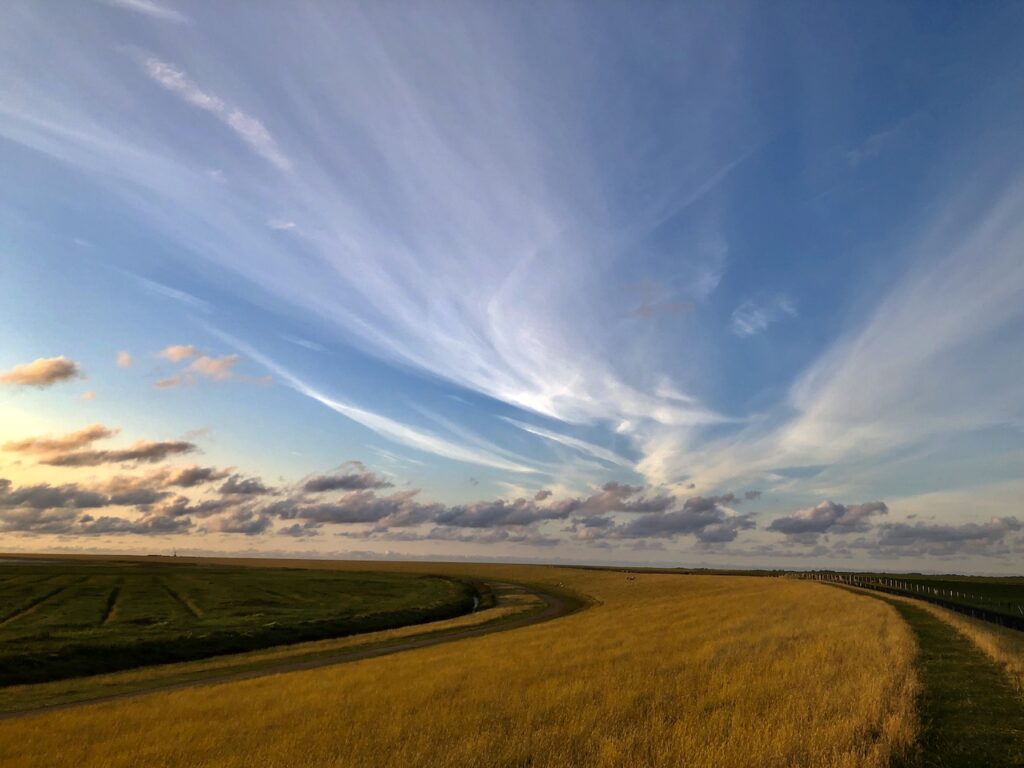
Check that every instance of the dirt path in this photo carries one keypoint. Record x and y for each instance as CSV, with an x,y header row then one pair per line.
x,y
554,607
970,712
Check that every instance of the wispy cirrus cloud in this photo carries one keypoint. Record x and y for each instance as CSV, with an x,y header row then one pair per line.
x,y
245,126
390,428
152,9
514,323
580,445
754,316
281,225
503,266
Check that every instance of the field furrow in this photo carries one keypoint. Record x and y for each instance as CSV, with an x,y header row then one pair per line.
x,y
184,600
31,606
110,612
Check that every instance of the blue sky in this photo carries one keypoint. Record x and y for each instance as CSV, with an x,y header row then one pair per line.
x,y
724,284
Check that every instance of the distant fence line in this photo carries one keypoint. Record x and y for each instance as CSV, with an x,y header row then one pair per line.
x,y
936,595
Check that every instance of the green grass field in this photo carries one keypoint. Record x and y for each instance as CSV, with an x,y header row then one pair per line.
x,y
1000,594
1003,595
65,619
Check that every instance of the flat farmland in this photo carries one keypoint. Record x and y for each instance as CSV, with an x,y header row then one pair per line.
x,y
64,619
658,670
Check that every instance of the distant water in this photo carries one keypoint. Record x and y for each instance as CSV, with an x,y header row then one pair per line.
x,y
25,561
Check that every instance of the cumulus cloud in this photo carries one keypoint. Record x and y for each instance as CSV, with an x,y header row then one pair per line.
x,y
46,496
622,497
138,497
124,359
931,539
166,477
202,366
497,536
243,521
42,372
492,514
142,451
182,506
359,478
241,505
191,476
300,530
700,516
518,520
236,485
828,516
399,509
215,368
68,442
149,525
178,352
88,395
57,509
38,521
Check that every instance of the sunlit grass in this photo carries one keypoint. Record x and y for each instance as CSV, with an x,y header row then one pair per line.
x,y
663,670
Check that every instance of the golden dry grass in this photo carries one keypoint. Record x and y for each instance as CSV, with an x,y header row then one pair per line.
x,y
663,670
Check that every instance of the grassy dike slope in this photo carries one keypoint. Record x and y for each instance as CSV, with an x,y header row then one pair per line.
x,y
661,670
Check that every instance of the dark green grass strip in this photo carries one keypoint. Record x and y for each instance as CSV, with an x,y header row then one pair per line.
x,y
97,655
971,715
33,604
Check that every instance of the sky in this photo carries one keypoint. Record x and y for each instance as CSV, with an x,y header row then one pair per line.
x,y
695,284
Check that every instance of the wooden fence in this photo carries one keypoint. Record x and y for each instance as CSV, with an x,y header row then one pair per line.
x,y
1011,615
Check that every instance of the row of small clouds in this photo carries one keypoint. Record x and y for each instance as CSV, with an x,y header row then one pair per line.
x,y
45,372
356,502
202,366
829,519
194,365
228,501
698,516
